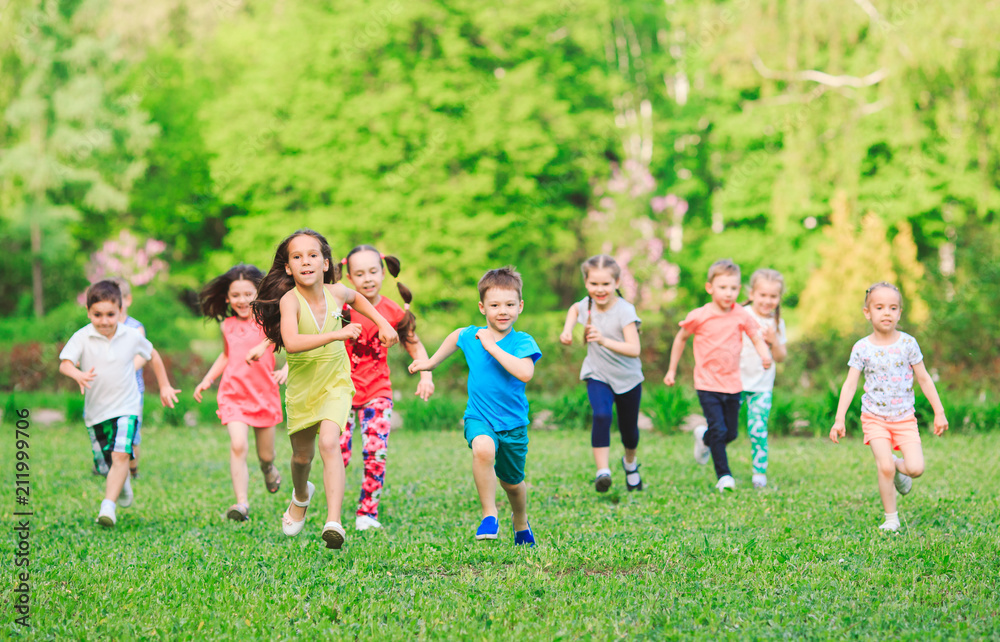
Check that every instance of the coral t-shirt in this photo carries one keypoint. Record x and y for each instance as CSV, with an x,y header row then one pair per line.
x,y
718,341
369,366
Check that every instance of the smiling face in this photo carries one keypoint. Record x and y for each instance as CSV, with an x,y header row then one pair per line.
x,y
365,272
241,293
601,285
104,315
724,289
501,308
765,297
305,261
883,309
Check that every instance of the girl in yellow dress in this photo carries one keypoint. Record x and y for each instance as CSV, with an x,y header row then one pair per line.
x,y
299,306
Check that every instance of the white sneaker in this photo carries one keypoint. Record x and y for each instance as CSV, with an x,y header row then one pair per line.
x,y
726,482
759,480
701,451
364,522
902,482
126,496
892,527
107,515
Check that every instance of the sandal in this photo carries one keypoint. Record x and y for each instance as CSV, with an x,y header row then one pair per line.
x,y
334,535
638,484
239,512
289,526
273,483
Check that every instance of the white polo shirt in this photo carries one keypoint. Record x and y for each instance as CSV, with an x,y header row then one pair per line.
x,y
114,391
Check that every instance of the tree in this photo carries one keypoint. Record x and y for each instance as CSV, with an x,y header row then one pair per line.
x,y
77,140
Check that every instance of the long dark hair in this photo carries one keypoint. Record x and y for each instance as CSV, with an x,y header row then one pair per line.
x,y
212,298
407,326
276,283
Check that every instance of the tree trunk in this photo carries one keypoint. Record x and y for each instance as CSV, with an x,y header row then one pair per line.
x,y
36,267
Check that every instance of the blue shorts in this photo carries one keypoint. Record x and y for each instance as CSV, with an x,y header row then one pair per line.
x,y
511,448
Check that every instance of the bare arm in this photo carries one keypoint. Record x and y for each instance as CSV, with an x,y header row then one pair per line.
x,y
295,342
82,379
213,373
930,391
629,347
448,348
762,350
676,350
846,397
386,333
168,394
567,334
418,352
778,351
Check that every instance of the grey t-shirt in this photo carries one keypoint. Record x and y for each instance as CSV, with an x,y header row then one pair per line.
x,y
618,371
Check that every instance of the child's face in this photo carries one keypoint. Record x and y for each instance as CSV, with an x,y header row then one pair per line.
x,y
241,294
601,285
126,302
501,308
104,315
884,309
306,263
724,289
765,297
364,271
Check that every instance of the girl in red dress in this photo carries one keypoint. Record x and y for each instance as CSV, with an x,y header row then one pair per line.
x,y
248,394
365,267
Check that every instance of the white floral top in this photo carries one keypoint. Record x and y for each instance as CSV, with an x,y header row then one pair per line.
x,y
888,375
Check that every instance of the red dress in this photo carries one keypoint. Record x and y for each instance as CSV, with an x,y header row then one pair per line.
x,y
247,393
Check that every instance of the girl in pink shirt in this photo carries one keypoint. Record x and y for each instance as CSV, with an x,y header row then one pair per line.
x,y
248,394
372,404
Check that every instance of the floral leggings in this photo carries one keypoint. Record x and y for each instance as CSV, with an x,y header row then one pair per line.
x,y
758,411
375,429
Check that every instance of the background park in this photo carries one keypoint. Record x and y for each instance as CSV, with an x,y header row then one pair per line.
x,y
841,142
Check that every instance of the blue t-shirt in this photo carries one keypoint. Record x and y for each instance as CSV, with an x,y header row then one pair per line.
x,y
496,397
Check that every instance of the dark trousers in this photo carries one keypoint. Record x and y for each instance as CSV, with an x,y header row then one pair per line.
x,y
722,413
601,399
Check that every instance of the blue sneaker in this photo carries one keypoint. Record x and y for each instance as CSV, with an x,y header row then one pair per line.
x,y
525,537
488,529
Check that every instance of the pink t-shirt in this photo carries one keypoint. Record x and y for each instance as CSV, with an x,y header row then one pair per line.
x,y
718,341
247,393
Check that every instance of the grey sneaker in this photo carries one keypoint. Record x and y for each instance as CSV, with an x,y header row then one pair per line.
x,y
902,482
701,451
126,496
602,483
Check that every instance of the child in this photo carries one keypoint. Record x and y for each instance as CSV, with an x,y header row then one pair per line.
x,y
890,360
299,306
717,328
766,288
612,368
168,394
372,403
248,394
501,361
102,358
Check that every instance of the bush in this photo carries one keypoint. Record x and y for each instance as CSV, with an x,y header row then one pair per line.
x,y
440,413
668,407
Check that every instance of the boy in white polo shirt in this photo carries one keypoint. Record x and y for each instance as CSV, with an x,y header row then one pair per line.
x,y
102,358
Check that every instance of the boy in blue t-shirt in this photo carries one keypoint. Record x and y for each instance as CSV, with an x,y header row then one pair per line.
x,y
501,361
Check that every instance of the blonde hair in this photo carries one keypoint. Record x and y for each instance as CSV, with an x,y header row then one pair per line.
x,y
722,266
879,286
772,276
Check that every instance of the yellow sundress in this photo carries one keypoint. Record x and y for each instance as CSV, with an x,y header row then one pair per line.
x,y
319,381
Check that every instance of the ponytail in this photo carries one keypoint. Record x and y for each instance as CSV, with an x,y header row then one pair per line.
x,y
407,326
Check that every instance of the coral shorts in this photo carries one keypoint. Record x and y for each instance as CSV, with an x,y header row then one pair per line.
x,y
899,433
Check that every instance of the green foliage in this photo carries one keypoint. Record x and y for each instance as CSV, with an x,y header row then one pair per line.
x,y
669,407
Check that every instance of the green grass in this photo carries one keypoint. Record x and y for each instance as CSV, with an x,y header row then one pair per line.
x,y
802,559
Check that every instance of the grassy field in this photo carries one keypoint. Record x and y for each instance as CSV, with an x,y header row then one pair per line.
x,y
802,559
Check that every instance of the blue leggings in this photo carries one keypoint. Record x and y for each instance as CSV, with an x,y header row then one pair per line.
x,y
602,397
